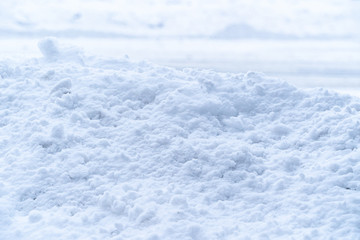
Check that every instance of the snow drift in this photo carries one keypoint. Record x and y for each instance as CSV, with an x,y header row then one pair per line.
x,y
96,148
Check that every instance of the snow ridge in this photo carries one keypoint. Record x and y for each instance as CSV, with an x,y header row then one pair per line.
x,y
96,148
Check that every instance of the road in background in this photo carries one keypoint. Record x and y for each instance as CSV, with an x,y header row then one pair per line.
x,y
307,43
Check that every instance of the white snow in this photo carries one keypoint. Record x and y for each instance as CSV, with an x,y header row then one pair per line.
x,y
105,148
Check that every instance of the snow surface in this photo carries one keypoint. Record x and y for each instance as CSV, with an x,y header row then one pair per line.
x,y
100,148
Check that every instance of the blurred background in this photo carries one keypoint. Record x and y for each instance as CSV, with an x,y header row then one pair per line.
x,y
307,43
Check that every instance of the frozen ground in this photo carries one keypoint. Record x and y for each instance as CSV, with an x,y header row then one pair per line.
x,y
99,148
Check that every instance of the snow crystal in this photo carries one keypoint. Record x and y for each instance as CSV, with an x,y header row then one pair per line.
x,y
96,148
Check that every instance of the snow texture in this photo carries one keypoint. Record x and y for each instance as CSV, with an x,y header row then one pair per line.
x,y
95,148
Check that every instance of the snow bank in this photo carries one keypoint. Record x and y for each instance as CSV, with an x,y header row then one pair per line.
x,y
97,148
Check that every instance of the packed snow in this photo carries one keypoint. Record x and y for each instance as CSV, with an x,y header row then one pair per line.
x,y
105,148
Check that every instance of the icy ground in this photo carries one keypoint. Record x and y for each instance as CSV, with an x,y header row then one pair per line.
x,y
100,148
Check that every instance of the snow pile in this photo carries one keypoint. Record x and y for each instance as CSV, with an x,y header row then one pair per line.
x,y
96,148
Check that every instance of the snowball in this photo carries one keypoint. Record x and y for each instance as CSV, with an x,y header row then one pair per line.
x,y
49,47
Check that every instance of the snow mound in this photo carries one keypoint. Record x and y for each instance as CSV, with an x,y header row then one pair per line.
x,y
115,149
